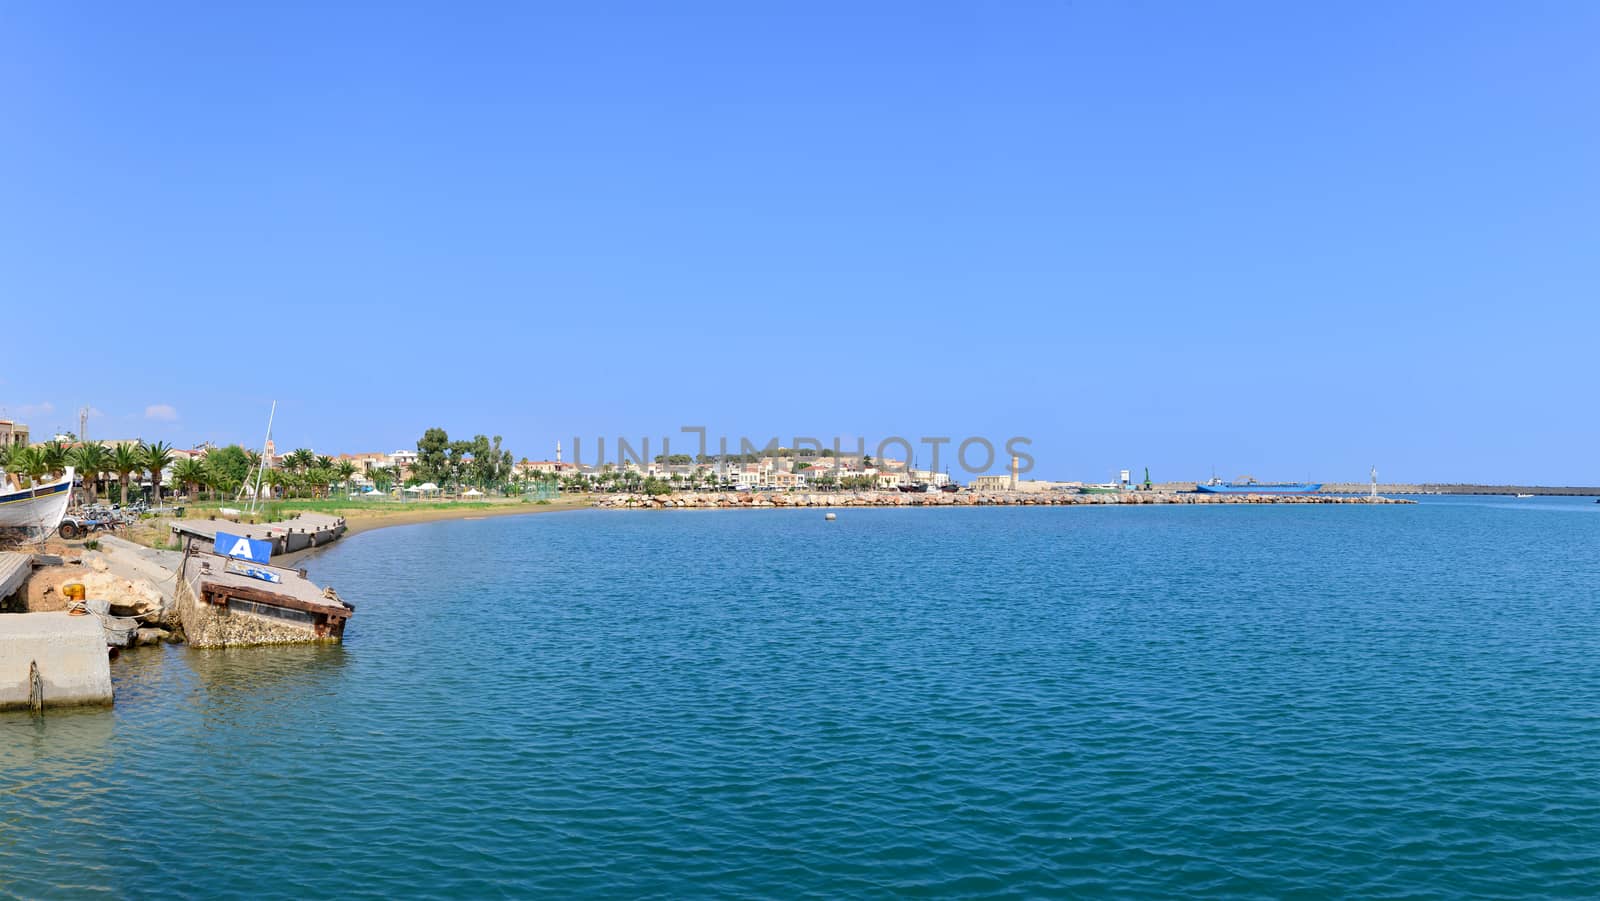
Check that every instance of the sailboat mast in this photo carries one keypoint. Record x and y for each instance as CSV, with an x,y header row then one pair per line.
x,y
263,464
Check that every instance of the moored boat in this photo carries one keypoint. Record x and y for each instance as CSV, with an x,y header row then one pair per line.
x,y
36,507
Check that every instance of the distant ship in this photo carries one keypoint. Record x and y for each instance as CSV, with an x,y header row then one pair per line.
x,y
1247,485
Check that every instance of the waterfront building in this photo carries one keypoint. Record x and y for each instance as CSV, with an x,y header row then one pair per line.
x,y
553,467
365,463
13,433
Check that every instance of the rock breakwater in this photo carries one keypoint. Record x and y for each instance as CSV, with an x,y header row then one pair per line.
x,y
725,499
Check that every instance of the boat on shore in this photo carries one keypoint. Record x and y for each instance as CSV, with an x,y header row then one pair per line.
x,y
39,507
1102,488
1248,485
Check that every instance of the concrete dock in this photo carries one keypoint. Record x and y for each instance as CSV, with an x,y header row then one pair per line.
x,y
54,659
14,571
303,531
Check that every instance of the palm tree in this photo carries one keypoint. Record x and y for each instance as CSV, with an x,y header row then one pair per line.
x,y
5,455
29,462
125,462
346,470
276,478
381,478
298,462
191,473
91,460
320,477
324,466
54,454
156,457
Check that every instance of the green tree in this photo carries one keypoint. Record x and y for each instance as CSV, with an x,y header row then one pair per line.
x,y
230,464
297,466
91,459
275,479
346,471
191,474
54,454
156,457
28,462
433,461
125,461
320,481
382,478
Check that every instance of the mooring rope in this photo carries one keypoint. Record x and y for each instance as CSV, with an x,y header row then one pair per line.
x,y
35,689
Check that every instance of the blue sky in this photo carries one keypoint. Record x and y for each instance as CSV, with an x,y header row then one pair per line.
x,y
1269,238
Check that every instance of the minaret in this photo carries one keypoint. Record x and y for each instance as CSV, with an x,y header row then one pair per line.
x,y
558,453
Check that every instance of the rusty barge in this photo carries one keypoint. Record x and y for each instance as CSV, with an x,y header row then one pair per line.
x,y
228,602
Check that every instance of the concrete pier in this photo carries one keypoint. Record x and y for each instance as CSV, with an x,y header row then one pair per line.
x,y
14,572
62,658
295,534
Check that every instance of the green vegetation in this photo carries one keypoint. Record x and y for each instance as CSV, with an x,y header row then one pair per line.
x,y
156,457
125,461
480,463
91,460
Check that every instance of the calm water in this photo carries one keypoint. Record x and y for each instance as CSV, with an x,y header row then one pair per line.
x,y
1241,701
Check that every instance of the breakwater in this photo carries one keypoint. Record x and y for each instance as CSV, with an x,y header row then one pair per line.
x,y
1435,489
763,499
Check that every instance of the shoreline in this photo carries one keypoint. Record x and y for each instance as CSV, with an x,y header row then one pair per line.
x,y
375,520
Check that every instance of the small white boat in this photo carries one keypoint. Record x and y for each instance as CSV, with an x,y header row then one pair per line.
x,y
39,507
1524,495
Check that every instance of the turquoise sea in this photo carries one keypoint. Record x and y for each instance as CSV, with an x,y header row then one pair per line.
x,y
1245,701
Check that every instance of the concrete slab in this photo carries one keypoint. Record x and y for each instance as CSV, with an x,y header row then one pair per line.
x,y
69,653
14,571
295,534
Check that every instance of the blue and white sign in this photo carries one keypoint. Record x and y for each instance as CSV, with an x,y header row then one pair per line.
x,y
243,548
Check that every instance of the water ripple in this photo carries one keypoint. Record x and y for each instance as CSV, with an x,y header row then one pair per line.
x,y
1247,702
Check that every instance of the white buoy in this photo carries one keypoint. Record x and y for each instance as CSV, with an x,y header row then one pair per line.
x,y
831,517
